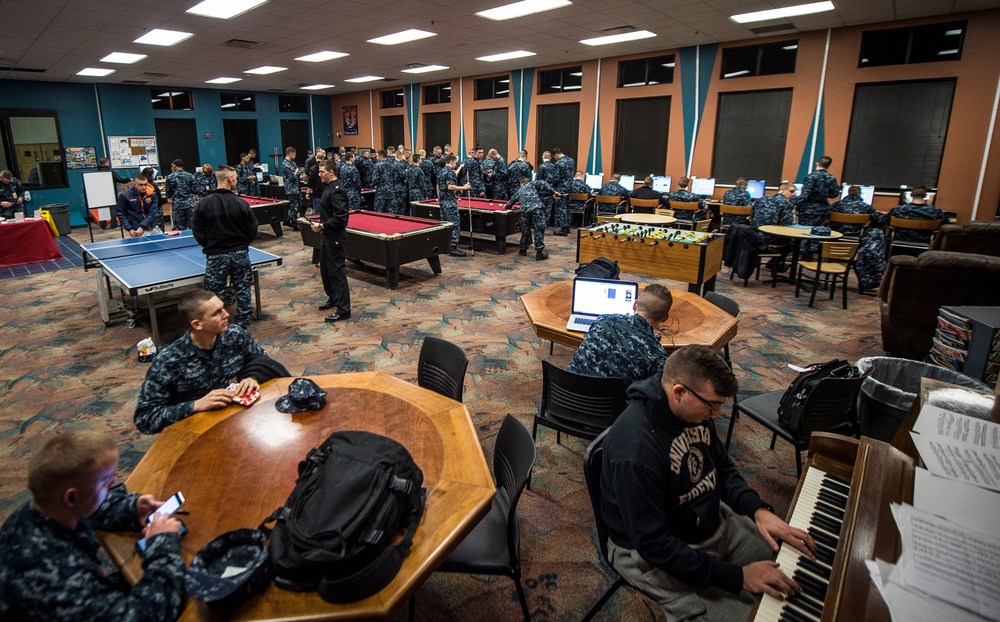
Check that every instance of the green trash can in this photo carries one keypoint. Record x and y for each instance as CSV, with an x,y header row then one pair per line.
x,y
60,217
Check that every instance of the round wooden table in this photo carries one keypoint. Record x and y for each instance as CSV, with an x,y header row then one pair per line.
x,y
797,233
236,466
647,219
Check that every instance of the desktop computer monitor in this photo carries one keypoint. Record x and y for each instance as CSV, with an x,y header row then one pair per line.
x,y
704,186
905,197
756,188
867,192
661,183
798,190
594,182
628,182
533,173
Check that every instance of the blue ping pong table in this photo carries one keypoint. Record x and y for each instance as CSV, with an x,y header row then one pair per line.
x,y
154,264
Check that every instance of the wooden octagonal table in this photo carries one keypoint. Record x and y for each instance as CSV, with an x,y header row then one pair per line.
x,y
236,466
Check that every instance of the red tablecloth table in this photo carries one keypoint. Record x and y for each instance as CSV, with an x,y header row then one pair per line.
x,y
26,242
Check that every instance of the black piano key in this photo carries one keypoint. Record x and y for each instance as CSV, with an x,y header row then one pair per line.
x,y
810,585
815,567
833,498
829,482
835,512
794,613
825,554
807,602
825,522
821,536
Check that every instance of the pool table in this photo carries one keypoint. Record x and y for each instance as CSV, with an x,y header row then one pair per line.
x,y
388,240
488,217
268,211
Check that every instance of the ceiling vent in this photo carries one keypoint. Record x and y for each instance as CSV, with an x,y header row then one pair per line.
x,y
134,82
150,74
763,30
22,70
241,43
619,29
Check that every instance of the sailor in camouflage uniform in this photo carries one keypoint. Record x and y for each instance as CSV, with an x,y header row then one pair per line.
x,y
290,179
775,209
682,195
812,205
204,181
11,193
382,184
428,168
613,189
916,209
547,172
350,181
565,169
415,183
578,186
397,177
181,190
448,199
244,171
500,173
850,204
626,346
738,197
474,172
254,169
515,171
487,165
192,374
50,568
533,214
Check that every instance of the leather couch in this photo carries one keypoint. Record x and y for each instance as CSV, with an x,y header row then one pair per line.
x,y
913,289
973,237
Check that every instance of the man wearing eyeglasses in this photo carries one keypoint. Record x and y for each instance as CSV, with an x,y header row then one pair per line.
x,y
683,525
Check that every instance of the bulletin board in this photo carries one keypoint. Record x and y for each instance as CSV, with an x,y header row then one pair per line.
x,y
133,151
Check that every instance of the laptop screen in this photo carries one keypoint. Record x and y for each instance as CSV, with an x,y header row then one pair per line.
x,y
756,188
594,182
661,183
601,296
628,182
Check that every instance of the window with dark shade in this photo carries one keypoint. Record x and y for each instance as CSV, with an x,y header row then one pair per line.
x,y
759,60
392,131
437,93
238,102
493,88
172,100
646,71
568,79
750,135
929,43
293,103
641,137
392,99
437,130
898,131
559,126
491,129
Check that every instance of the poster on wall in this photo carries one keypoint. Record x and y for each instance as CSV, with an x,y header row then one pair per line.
x,y
350,120
132,151
81,157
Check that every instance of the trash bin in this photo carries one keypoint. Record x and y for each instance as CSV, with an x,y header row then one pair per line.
x,y
60,217
889,390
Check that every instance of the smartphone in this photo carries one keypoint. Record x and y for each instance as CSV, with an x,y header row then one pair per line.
x,y
169,506
141,544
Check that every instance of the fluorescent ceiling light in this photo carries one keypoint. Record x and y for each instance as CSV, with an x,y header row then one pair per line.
x,y
222,80
319,57
503,92
667,65
505,56
266,69
230,105
572,88
123,58
947,52
625,36
403,37
95,71
577,73
520,9
952,33
634,84
159,36
790,47
169,94
788,11
153,101
317,87
224,9
365,79
742,72
425,69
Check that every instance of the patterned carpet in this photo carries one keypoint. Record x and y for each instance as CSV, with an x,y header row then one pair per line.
x,y
61,366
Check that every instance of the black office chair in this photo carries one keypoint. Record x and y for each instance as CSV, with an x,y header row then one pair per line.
x,y
830,407
441,368
494,546
731,307
581,406
593,464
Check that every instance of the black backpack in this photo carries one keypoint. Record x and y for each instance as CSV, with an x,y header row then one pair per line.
x,y
600,268
334,535
793,402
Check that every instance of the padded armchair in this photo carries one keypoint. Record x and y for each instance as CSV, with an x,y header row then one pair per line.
x,y
914,288
830,407
441,368
978,237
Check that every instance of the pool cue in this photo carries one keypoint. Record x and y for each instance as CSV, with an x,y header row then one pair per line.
x,y
472,240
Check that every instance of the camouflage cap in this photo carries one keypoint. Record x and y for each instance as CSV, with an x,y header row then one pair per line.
x,y
303,394
231,569
824,231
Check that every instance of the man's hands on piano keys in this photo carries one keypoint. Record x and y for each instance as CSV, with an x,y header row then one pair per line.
x,y
766,576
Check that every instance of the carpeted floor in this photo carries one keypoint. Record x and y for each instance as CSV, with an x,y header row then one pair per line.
x,y
61,366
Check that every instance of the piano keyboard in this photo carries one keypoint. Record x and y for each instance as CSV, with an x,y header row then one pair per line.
x,y
819,510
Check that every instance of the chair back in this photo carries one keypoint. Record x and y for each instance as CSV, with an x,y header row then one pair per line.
x,y
513,457
725,303
441,368
913,223
647,204
850,219
581,197
702,225
735,210
664,212
832,404
839,251
593,466
584,406
615,200
691,206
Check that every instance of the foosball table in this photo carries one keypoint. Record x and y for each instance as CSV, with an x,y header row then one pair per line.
x,y
691,256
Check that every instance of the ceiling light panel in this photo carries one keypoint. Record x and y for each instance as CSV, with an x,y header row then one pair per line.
x,y
317,87
619,38
123,58
222,80
493,58
365,79
425,69
782,13
520,9
265,70
96,72
158,36
224,9
403,37
319,57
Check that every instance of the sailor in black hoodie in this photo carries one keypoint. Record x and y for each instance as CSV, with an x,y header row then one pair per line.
x,y
683,525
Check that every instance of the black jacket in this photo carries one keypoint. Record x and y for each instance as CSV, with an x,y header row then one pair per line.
x,y
223,223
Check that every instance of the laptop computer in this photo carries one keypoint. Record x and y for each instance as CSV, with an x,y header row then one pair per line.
x,y
595,297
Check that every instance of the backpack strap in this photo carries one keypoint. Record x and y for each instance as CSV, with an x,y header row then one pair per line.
x,y
380,572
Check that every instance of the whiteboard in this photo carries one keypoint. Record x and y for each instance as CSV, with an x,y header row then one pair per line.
x,y
100,189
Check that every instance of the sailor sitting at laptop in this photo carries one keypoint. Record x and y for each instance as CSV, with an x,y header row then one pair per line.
x,y
622,342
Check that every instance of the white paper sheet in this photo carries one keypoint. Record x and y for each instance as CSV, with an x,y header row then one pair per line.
x,y
960,461
958,427
964,504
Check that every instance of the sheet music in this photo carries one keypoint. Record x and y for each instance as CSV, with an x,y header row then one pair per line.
x,y
961,461
964,504
958,427
910,606
947,562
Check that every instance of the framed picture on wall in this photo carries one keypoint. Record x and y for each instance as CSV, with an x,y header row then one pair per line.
x,y
350,120
81,157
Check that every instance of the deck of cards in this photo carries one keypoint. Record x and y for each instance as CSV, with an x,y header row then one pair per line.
x,y
244,400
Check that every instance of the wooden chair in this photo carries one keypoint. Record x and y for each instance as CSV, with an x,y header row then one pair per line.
x,y
835,261
702,225
664,212
617,201
690,206
643,206
733,210
896,224
584,212
850,219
